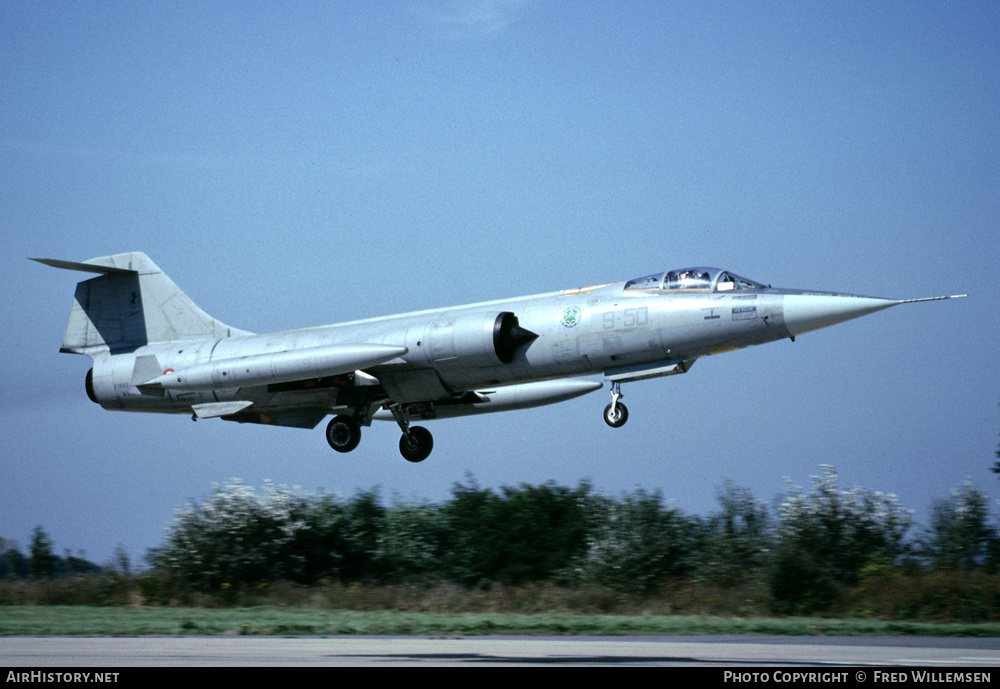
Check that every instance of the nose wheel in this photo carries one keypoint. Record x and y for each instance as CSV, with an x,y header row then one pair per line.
x,y
616,413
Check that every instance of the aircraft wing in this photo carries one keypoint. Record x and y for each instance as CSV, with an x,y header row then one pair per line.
x,y
293,418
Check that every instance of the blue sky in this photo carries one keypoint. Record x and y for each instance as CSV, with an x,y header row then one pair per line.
x,y
294,164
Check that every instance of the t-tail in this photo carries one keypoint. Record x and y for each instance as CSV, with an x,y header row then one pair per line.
x,y
130,304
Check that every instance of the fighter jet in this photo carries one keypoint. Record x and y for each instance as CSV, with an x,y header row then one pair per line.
x,y
154,350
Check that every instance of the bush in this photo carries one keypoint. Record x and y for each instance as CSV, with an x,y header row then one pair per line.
x,y
637,543
960,536
825,540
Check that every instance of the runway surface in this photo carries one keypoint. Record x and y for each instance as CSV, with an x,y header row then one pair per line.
x,y
246,651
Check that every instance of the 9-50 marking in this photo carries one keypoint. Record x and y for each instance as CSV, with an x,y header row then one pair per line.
x,y
626,318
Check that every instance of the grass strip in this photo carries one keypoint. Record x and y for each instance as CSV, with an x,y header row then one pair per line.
x,y
274,621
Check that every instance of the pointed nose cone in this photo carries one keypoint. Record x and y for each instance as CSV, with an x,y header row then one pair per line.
x,y
805,312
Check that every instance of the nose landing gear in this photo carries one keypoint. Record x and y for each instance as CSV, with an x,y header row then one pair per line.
x,y
616,413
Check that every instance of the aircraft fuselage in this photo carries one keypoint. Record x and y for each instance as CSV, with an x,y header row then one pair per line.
x,y
155,351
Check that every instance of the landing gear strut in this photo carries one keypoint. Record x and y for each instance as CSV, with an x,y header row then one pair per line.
x,y
417,442
616,413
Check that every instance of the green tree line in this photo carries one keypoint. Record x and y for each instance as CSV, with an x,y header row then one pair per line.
x,y
41,560
802,555
812,546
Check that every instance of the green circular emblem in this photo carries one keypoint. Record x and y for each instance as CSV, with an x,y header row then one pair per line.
x,y
571,316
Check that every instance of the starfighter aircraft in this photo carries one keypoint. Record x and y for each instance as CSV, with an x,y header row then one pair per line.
x,y
154,350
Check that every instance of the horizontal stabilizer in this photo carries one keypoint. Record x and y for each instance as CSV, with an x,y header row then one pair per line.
x,y
84,267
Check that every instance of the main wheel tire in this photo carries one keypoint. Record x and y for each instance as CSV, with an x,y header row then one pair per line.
x,y
343,434
416,446
618,418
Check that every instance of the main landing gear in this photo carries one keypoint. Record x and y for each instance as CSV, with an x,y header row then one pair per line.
x,y
344,433
417,442
616,413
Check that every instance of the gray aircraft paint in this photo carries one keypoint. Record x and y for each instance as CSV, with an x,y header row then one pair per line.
x,y
155,350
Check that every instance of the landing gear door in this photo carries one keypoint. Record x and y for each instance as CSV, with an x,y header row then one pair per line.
x,y
421,385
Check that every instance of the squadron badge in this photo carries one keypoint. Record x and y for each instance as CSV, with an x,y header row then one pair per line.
x,y
571,317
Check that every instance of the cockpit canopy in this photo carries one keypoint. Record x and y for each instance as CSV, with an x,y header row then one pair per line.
x,y
709,279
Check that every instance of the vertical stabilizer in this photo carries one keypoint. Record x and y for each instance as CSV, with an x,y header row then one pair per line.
x,y
130,304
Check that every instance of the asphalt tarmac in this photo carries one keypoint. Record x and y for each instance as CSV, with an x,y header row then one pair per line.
x,y
832,654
